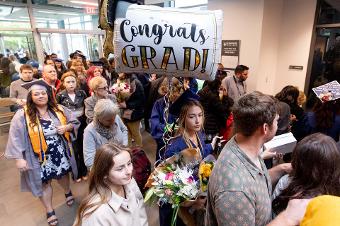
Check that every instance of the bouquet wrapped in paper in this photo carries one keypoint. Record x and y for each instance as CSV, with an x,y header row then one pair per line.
x,y
122,90
173,181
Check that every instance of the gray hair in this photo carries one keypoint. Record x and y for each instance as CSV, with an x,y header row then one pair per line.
x,y
105,107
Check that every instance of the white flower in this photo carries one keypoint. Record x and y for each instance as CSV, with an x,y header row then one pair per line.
x,y
188,191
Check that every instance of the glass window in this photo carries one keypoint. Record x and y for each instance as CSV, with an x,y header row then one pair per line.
x,y
329,12
14,17
68,15
19,43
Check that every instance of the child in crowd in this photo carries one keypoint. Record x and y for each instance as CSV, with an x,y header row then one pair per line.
x,y
73,99
114,197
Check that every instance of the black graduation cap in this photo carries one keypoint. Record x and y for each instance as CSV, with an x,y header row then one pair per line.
x,y
59,60
35,84
175,108
97,63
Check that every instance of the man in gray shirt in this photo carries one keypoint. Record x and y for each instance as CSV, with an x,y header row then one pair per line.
x,y
240,185
236,85
17,92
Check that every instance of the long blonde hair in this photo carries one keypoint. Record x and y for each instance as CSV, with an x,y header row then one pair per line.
x,y
98,184
181,121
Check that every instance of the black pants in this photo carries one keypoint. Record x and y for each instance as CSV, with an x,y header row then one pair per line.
x,y
165,215
78,148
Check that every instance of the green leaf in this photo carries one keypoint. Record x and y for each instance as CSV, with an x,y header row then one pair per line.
x,y
149,194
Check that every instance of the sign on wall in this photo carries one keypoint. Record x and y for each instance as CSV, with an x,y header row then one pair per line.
x,y
168,41
230,53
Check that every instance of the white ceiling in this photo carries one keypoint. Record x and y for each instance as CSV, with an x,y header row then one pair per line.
x,y
70,4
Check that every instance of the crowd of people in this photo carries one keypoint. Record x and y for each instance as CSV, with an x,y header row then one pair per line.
x,y
83,119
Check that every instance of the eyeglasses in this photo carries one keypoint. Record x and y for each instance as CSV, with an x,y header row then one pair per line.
x,y
103,88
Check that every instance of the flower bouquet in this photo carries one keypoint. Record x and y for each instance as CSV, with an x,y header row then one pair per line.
x,y
122,90
173,182
205,170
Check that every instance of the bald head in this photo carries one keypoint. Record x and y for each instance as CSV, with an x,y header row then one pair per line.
x,y
49,74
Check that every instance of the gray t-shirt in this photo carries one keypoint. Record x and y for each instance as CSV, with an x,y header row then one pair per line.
x,y
17,91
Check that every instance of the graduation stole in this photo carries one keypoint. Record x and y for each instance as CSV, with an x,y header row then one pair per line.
x,y
37,137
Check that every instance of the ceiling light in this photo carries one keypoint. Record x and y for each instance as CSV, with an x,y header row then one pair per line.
x,y
37,18
85,3
61,13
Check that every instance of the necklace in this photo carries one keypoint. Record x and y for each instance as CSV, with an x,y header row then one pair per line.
x,y
44,114
238,88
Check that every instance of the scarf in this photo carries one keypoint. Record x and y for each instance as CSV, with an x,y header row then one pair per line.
x,y
108,133
37,137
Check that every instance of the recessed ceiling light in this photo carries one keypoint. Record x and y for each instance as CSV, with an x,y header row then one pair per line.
x,y
85,3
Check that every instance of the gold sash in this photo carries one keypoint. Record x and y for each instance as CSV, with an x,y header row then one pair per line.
x,y
37,137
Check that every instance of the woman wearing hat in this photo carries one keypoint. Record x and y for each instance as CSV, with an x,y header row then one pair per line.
x,y
41,147
59,67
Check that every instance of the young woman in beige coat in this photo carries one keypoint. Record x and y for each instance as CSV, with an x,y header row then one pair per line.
x,y
114,197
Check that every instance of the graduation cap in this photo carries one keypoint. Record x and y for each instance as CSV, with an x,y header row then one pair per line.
x,y
33,63
97,63
175,108
58,60
37,84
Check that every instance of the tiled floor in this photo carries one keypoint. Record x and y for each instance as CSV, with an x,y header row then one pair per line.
x,y
18,208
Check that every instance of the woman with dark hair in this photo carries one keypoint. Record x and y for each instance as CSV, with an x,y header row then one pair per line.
x,y
217,107
315,171
39,140
290,94
114,197
325,118
59,67
106,70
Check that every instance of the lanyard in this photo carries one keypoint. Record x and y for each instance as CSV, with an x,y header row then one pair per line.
x,y
238,89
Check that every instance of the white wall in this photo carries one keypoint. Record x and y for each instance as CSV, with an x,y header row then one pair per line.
x,y
243,21
270,38
274,34
295,41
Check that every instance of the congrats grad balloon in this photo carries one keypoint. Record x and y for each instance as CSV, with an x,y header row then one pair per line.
x,y
168,41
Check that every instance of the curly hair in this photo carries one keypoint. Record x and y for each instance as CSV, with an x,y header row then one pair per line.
x,y
289,95
68,73
324,115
